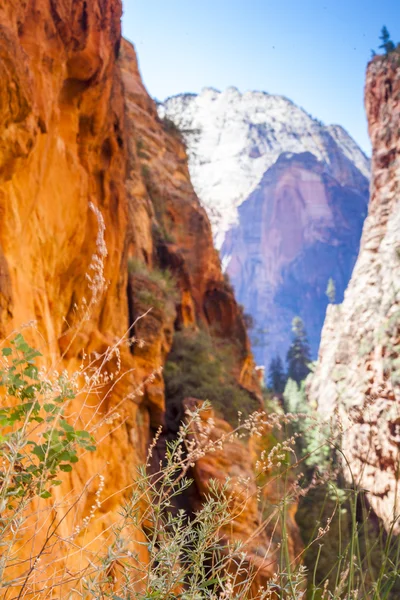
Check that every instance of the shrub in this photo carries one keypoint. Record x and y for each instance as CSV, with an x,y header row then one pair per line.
x,y
170,127
160,293
312,432
201,367
37,444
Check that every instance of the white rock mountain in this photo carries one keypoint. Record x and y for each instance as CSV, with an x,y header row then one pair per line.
x,y
286,196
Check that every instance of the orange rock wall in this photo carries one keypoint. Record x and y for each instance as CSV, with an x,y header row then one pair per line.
x,y
81,143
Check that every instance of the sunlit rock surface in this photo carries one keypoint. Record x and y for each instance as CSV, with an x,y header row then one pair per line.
x,y
358,368
84,155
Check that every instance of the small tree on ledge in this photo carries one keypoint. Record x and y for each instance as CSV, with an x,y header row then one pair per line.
x,y
298,356
387,44
276,375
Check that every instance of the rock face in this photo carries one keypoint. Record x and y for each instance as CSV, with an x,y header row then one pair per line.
x,y
358,368
287,198
170,229
297,229
233,138
95,202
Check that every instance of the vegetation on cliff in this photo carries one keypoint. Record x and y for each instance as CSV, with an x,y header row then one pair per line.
x,y
199,366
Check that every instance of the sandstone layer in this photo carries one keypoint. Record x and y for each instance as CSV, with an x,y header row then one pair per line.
x,y
358,368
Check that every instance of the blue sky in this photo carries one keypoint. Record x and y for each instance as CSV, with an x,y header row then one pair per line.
x,y
312,51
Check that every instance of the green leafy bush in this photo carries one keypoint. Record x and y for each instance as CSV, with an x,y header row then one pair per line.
x,y
158,288
37,442
200,367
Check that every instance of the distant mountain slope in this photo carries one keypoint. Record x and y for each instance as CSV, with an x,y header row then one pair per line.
x,y
234,138
296,229
287,197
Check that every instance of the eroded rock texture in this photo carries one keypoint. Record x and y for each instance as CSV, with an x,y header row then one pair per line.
x,y
83,155
358,369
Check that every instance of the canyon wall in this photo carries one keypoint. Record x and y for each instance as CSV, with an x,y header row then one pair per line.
x,y
286,196
96,205
357,376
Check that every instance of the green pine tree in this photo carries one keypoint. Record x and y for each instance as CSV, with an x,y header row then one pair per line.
x,y
387,44
276,375
298,356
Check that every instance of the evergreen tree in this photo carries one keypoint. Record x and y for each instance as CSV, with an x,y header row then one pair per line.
x,y
298,356
276,375
331,291
387,44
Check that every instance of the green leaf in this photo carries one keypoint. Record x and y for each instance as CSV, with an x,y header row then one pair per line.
x,y
39,451
20,343
66,468
65,455
6,351
66,426
45,494
52,408
83,434
31,371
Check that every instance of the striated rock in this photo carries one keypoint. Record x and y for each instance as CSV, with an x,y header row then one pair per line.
x,y
357,373
62,174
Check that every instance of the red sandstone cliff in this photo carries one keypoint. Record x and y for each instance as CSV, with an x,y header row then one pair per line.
x,y
81,144
358,368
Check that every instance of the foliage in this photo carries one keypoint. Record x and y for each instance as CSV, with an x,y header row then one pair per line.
x,y
312,433
259,336
248,321
228,281
141,148
298,356
276,375
170,127
162,289
387,44
37,442
344,516
176,554
146,174
201,367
